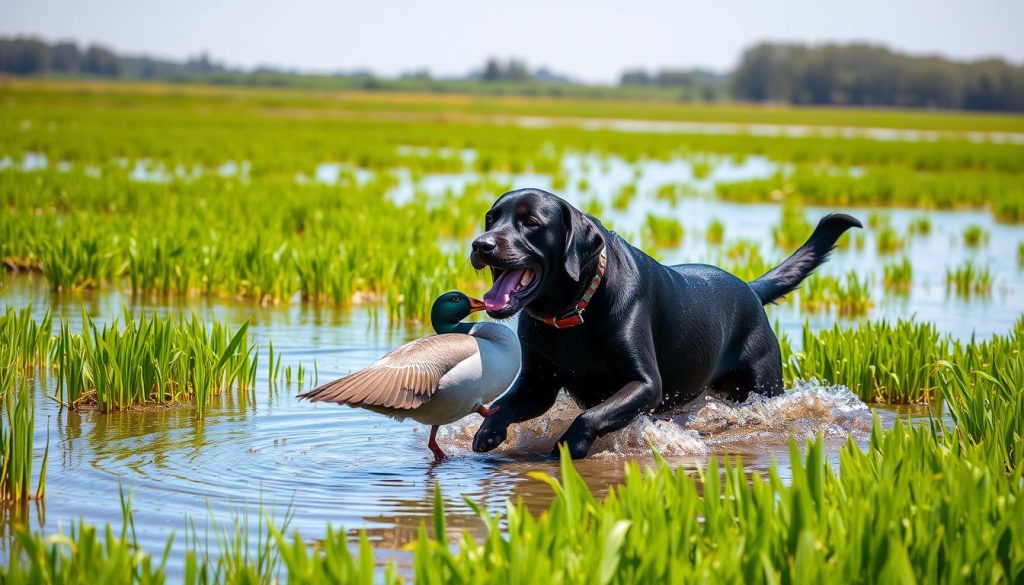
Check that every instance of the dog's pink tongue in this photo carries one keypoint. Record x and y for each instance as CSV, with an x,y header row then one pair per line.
x,y
500,294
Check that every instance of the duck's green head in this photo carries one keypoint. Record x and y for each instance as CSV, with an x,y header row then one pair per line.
x,y
451,308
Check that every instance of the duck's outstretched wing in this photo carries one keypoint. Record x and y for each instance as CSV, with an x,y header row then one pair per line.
x,y
403,379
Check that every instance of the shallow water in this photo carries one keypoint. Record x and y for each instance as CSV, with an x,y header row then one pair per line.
x,y
355,469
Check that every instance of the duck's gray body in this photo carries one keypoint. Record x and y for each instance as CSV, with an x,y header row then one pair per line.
x,y
435,380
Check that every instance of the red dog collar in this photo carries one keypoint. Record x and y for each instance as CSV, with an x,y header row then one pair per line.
x,y
574,316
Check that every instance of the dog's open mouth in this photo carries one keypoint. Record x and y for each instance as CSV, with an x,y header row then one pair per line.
x,y
511,285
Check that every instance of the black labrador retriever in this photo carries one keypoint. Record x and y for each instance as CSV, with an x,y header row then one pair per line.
x,y
621,332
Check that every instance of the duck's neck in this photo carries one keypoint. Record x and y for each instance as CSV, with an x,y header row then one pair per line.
x,y
457,327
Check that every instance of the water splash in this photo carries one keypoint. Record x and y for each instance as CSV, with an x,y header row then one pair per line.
x,y
708,425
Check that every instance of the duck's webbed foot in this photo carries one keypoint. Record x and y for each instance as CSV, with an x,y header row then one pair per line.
x,y
434,447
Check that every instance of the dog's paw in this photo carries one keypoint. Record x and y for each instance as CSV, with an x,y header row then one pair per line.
x,y
489,435
579,438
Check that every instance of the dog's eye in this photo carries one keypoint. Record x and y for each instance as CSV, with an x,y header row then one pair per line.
x,y
531,221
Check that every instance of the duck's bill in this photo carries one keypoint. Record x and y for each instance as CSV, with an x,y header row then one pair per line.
x,y
476,305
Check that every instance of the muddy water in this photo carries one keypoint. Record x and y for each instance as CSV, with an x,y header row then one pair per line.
x,y
352,468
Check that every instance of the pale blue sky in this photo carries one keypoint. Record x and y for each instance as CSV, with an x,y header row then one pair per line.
x,y
593,40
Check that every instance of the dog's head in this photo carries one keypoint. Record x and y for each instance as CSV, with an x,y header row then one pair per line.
x,y
536,245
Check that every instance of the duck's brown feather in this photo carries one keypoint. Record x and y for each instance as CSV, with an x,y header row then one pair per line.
x,y
403,379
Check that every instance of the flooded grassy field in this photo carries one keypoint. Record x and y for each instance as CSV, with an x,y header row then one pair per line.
x,y
260,449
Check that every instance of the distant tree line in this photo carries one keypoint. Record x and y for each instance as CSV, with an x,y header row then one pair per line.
x,y
693,83
868,75
28,56
855,74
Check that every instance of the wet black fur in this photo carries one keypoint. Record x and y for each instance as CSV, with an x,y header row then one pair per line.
x,y
654,336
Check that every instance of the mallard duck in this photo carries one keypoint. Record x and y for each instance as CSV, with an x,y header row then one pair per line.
x,y
438,379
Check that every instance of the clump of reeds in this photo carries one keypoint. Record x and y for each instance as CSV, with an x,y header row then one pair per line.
x,y
151,359
879,219
78,262
969,280
887,241
701,169
670,192
624,196
982,386
28,341
975,236
920,225
743,258
716,232
793,229
898,276
849,296
663,232
17,435
879,361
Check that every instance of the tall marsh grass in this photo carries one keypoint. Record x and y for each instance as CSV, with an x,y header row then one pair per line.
x,y
17,437
151,359
879,361
25,340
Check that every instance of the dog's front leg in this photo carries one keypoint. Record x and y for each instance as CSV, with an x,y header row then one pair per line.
x,y
611,415
532,394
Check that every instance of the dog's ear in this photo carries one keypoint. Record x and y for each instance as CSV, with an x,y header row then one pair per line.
x,y
583,240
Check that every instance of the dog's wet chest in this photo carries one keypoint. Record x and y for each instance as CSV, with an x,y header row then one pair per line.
x,y
591,375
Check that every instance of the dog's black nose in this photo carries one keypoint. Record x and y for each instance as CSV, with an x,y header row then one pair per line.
x,y
484,244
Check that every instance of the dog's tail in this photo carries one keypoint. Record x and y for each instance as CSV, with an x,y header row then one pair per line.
x,y
786,277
